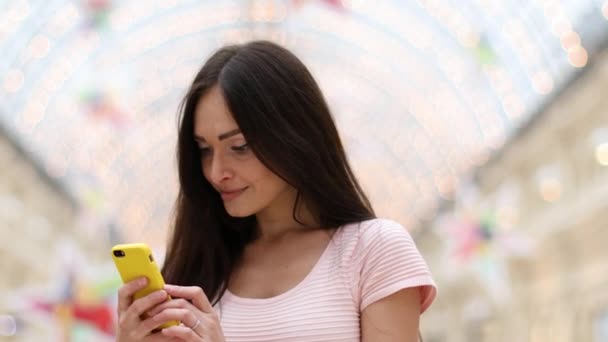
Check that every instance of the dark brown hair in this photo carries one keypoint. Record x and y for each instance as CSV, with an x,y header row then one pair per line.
x,y
285,119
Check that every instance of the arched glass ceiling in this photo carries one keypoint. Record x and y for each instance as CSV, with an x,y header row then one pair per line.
x,y
423,91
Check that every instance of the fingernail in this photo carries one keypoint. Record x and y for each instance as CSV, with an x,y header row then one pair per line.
x,y
160,294
143,281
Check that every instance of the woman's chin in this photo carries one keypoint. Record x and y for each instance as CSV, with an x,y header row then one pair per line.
x,y
237,212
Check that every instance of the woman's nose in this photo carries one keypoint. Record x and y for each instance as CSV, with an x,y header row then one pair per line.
x,y
219,169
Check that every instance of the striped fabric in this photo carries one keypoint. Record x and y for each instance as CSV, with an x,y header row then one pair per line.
x,y
363,263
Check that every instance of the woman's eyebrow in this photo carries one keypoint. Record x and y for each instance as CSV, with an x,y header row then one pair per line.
x,y
222,136
229,134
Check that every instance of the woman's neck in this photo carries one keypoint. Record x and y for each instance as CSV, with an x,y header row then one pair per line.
x,y
277,221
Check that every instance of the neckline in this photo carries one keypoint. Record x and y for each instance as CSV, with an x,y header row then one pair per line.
x,y
250,300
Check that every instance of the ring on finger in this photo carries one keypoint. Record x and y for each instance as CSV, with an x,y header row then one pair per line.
x,y
198,321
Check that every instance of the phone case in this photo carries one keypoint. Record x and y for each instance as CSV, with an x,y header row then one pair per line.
x,y
136,262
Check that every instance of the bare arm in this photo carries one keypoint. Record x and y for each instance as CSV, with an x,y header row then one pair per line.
x,y
392,319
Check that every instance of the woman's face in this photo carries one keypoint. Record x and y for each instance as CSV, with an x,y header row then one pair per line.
x,y
246,186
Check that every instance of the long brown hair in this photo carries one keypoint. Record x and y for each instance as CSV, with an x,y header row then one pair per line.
x,y
285,119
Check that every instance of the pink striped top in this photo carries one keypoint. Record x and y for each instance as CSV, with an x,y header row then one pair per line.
x,y
363,263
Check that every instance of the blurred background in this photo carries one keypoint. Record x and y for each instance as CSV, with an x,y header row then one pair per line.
x,y
480,125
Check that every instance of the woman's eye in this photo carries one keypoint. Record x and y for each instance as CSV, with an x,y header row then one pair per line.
x,y
240,149
204,150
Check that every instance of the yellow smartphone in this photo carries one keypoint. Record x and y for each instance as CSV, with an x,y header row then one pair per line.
x,y
134,260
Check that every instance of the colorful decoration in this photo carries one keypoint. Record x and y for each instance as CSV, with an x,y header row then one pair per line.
x,y
477,240
81,302
101,106
483,52
471,235
98,12
80,299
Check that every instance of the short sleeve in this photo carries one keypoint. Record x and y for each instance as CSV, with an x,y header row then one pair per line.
x,y
387,261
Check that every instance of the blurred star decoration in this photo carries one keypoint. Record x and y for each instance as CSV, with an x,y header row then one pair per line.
x,y
100,104
82,302
480,238
484,53
98,12
81,298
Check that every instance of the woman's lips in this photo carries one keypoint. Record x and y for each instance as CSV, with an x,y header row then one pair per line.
x,y
230,195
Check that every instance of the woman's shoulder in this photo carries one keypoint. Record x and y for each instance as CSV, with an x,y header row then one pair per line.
x,y
359,237
372,229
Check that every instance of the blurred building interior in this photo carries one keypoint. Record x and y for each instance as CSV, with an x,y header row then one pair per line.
x,y
481,126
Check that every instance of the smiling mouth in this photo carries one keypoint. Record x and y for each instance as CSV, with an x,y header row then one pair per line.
x,y
229,195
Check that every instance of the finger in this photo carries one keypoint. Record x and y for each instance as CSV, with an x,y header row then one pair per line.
x,y
183,333
181,315
173,303
126,292
148,325
159,337
141,305
193,293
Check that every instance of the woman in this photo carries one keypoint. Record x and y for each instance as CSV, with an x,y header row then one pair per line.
x,y
274,239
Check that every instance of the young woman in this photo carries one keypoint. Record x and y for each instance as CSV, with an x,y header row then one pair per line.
x,y
274,240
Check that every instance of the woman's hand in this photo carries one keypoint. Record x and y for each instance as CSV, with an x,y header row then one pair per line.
x,y
131,326
190,306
